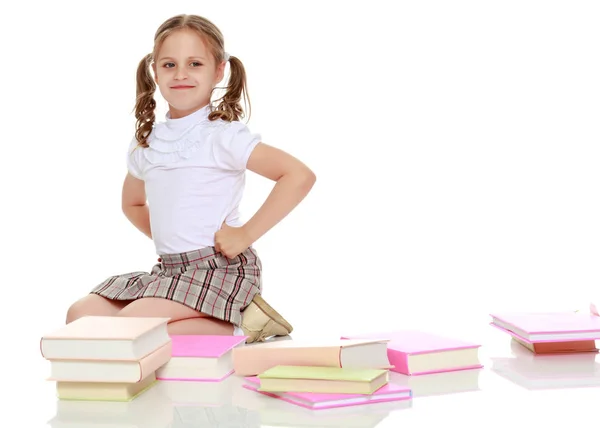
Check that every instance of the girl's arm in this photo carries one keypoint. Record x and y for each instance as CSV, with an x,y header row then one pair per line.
x,y
133,203
293,182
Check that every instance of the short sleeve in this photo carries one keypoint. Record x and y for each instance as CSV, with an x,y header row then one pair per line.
x,y
234,145
132,160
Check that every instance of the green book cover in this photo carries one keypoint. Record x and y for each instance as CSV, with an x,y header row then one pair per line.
x,y
321,373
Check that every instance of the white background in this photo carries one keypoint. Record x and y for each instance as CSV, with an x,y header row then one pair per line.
x,y
455,146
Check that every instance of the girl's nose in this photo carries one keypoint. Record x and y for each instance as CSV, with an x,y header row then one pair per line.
x,y
180,74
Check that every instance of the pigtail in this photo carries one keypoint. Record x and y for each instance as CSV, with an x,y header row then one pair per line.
x,y
144,102
229,107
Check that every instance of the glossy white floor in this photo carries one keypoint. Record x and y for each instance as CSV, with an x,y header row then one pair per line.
x,y
512,383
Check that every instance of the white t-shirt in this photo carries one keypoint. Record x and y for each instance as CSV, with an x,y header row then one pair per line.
x,y
194,174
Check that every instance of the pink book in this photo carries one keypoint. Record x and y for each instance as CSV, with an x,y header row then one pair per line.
x,y
200,358
537,327
309,400
414,352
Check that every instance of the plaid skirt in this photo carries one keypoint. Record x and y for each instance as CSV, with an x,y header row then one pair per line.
x,y
203,280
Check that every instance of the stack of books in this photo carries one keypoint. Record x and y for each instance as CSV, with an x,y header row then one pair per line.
x,y
550,332
106,358
316,387
323,375
429,363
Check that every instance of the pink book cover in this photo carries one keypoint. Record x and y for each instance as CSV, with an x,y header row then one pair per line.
x,y
386,393
585,326
203,346
403,343
512,333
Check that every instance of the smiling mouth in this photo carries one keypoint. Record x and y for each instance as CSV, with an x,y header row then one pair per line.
x,y
181,87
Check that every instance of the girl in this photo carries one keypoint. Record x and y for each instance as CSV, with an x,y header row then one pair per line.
x,y
183,187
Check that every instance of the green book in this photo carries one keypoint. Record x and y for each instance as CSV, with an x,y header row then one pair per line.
x,y
322,373
322,379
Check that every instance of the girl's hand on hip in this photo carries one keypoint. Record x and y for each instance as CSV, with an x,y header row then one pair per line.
x,y
231,241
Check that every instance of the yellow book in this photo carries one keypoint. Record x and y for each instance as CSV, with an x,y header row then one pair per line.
x,y
103,391
326,380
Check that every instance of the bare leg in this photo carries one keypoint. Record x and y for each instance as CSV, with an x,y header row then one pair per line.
x,y
93,304
184,320
203,325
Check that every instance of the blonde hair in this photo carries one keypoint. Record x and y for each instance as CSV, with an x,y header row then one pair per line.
x,y
228,107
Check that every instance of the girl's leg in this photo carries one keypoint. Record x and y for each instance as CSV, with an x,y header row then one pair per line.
x,y
93,304
184,320
201,325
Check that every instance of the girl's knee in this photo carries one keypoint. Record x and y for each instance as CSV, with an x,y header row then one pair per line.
x,y
76,310
93,304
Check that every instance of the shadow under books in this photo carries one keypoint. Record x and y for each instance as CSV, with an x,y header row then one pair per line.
x,y
553,371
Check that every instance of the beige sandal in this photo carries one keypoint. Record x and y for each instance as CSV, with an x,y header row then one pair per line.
x,y
260,321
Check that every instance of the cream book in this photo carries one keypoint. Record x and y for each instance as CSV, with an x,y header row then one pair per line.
x,y
103,391
327,380
125,371
359,354
105,338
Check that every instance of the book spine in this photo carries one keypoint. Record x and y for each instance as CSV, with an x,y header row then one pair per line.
x,y
399,360
155,360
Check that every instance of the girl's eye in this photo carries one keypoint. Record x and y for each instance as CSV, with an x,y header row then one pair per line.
x,y
168,65
196,64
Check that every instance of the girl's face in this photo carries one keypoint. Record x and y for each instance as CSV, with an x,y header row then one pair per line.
x,y
186,73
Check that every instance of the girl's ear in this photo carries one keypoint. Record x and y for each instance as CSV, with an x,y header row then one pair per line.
x,y
220,72
154,73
